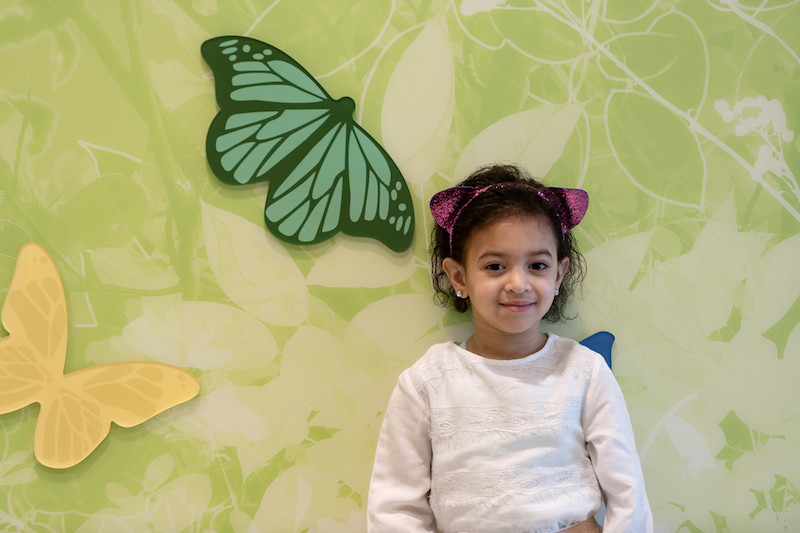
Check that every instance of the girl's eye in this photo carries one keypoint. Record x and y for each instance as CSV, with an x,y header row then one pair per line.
x,y
538,266
494,266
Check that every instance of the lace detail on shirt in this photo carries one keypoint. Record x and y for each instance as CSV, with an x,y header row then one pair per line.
x,y
456,491
453,425
432,372
453,363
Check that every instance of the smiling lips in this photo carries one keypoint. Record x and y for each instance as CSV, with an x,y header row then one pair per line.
x,y
517,306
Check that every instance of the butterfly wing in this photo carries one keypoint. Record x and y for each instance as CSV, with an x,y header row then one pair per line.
x,y
271,110
326,174
253,74
75,419
255,146
35,316
345,182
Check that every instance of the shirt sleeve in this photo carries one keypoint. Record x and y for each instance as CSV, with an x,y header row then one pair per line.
x,y
401,475
612,449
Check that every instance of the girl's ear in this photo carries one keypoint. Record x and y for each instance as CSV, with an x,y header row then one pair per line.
x,y
455,272
563,266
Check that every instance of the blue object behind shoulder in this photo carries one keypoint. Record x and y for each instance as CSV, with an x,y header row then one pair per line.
x,y
601,343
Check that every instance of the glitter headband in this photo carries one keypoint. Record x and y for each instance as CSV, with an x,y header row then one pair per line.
x,y
570,205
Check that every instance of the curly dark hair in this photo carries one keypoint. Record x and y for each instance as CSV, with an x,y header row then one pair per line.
x,y
499,203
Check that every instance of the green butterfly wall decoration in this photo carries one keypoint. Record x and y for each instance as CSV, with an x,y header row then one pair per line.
x,y
277,124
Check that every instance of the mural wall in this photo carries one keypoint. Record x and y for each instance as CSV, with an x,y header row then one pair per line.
x,y
678,117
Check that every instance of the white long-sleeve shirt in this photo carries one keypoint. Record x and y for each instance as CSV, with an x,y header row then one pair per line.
x,y
523,445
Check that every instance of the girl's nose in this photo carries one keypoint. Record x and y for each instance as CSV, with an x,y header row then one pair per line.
x,y
518,281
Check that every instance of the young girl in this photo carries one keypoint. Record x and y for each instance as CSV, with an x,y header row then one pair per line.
x,y
514,430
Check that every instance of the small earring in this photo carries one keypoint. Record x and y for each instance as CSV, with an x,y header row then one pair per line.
x,y
556,291
458,294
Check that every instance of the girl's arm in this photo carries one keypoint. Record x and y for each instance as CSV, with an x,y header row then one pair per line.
x,y
612,449
401,476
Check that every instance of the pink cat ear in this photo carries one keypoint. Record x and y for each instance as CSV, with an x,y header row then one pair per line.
x,y
446,205
570,205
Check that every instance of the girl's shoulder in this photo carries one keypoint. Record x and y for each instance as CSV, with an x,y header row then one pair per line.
x,y
561,356
565,346
574,353
446,359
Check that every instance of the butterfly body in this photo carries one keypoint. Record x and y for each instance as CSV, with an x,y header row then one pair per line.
x,y
77,408
277,124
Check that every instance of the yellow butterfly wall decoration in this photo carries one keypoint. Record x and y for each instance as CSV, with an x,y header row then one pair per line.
x,y
77,408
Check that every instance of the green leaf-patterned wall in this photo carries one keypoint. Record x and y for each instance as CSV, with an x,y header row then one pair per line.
x,y
679,117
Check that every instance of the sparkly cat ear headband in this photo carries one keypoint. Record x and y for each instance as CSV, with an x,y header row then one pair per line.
x,y
570,204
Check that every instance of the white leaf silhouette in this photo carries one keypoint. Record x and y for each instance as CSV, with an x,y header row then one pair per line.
x,y
174,84
303,501
129,266
253,268
534,138
221,411
205,335
470,7
418,104
690,445
394,325
180,503
158,472
358,263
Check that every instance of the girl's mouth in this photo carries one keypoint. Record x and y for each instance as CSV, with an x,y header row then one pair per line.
x,y
518,307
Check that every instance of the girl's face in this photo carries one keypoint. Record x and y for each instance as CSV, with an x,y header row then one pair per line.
x,y
510,272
